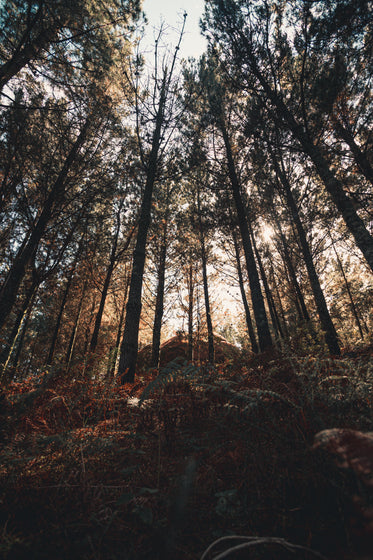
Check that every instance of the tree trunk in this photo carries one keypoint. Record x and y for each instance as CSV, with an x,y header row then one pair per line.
x,y
347,284
19,319
190,311
210,334
333,186
159,306
119,330
264,335
129,348
105,289
109,273
16,274
249,323
18,330
23,330
359,156
300,303
274,282
267,291
60,313
100,311
322,308
70,348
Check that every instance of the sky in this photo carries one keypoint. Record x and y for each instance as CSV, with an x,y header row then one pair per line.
x,y
171,13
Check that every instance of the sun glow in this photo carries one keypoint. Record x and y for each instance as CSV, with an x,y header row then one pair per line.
x,y
267,233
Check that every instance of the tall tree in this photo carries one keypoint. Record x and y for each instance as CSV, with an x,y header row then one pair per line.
x,y
229,24
264,336
164,96
15,275
216,107
115,254
69,280
249,323
164,202
331,336
203,249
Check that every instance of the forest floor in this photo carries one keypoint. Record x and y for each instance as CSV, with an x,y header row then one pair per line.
x,y
87,471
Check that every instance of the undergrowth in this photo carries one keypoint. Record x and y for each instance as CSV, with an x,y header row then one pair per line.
x,y
187,457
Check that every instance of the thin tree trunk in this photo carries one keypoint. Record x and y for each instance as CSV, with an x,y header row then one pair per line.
x,y
198,316
190,311
264,335
109,273
267,291
331,337
31,354
100,311
9,345
62,308
359,156
19,330
347,284
71,346
23,331
87,334
210,334
278,296
159,306
249,323
129,348
119,330
303,311
333,186
16,274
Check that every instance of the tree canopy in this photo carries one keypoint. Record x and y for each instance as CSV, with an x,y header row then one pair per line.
x,y
163,201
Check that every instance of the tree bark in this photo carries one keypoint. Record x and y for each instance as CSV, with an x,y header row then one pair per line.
x,y
359,156
9,290
331,337
264,335
249,323
23,330
190,310
119,330
100,311
333,186
18,330
347,284
159,306
210,334
267,291
301,307
109,273
71,346
274,282
129,348
62,308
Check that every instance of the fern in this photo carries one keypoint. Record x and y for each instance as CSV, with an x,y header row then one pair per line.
x,y
250,398
172,372
245,399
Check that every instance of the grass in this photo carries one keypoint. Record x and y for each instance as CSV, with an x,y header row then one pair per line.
x,y
209,454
